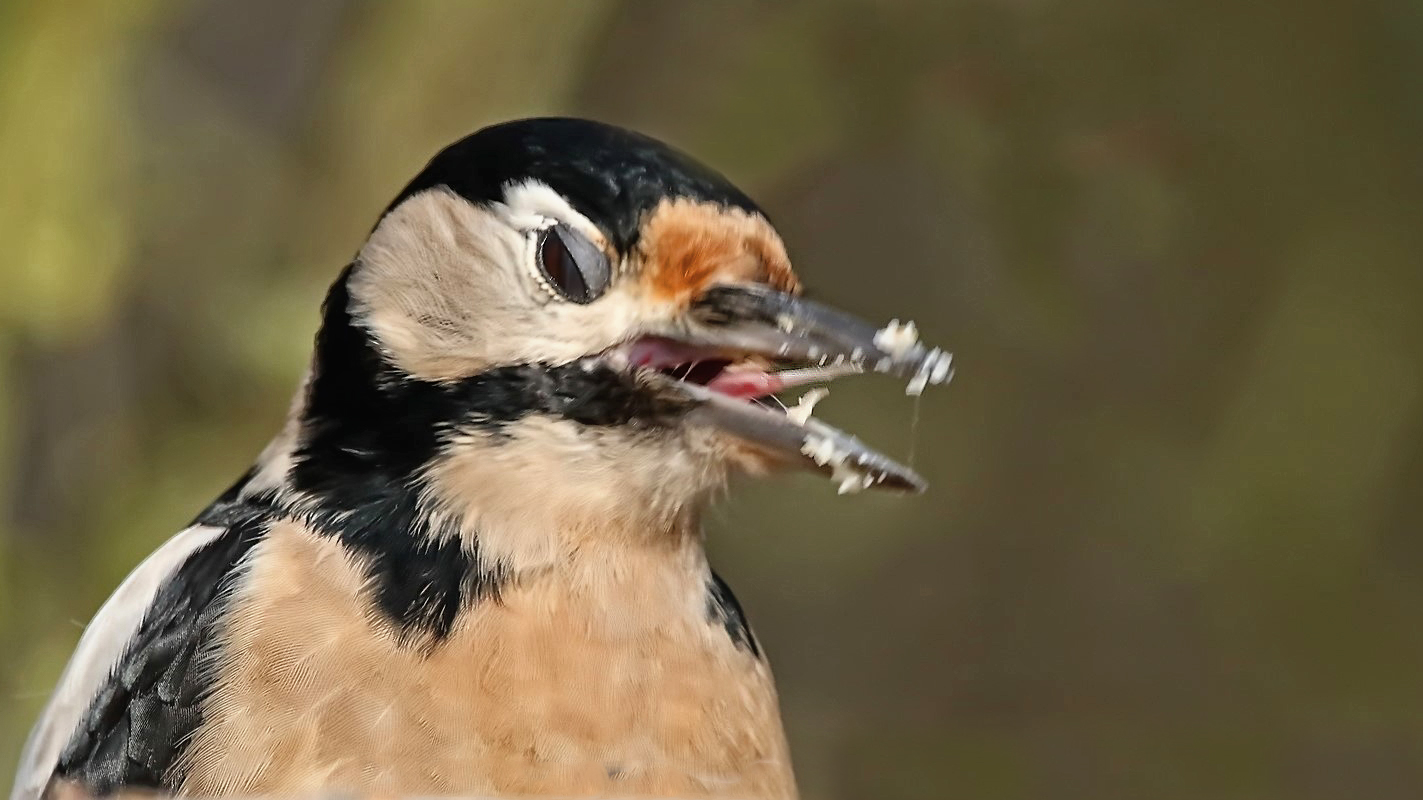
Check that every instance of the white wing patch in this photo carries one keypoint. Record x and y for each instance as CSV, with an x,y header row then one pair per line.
x,y
99,649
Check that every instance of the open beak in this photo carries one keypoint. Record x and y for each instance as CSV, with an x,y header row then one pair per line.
x,y
738,345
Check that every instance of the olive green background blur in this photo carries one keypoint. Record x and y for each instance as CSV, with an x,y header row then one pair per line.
x,y
1172,544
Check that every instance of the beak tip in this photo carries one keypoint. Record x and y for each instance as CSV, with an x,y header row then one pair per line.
x,y
908,483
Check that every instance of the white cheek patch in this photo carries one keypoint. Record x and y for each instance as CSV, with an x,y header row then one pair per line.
x,y
450,289
424,275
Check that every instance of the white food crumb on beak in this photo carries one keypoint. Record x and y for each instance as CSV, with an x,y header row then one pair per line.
x,y
820,449
936,368
897,340
805,406
852,479
944,370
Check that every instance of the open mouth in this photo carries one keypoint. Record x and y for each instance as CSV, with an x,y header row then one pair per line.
x,y
741,345
743,375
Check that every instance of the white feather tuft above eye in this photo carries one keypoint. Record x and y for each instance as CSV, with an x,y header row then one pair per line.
x,y
534,205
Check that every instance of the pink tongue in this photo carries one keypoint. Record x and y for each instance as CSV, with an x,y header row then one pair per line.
x,y
743,382
746,383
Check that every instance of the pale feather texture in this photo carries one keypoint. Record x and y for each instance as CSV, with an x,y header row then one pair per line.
x,y
611,485
99,649
600,675
451,289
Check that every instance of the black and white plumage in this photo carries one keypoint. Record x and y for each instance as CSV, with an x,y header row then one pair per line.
x,y
471,562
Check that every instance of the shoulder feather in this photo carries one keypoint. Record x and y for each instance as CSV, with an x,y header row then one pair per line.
x,y
94,658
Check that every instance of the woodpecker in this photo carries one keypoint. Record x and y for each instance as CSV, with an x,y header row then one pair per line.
x,y
471,562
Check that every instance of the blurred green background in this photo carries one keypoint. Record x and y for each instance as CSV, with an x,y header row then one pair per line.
x,y
1172,546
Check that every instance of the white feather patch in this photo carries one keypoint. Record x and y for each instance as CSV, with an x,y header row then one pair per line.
x,y
533,204
98,651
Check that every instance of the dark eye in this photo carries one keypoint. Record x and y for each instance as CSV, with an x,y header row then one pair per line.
x,y
574,265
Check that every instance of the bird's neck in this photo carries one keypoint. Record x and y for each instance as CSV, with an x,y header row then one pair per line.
x,y
534,508
538,491
550,488
515,472
448,491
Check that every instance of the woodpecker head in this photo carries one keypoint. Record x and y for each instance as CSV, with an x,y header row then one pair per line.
x,y
560,320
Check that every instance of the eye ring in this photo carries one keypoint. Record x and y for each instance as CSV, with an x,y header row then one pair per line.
x,y
572,265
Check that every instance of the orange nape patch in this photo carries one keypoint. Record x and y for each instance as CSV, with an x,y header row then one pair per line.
x,y
688,246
